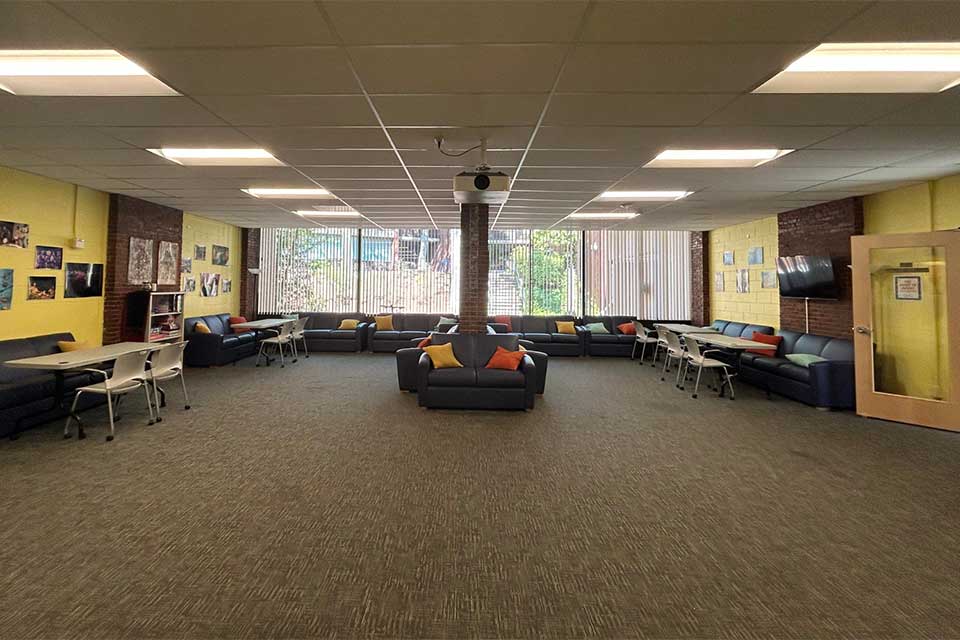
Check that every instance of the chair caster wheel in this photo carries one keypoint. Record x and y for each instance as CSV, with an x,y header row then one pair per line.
x,y
694,396
282,366
159,419
186,407
681,388
81,436
109,438
151,422
66,436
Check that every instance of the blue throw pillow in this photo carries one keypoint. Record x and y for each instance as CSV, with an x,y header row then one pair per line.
x,y
596,327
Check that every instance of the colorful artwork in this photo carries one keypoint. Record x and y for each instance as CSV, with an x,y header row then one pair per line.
x,y
186,265
199,252
209,285
83,280
768,279
221,256
140,264
755,255
14,234
226,286
189,284
728,257
48,258
743,281
718,281
42,288
167,262
6,289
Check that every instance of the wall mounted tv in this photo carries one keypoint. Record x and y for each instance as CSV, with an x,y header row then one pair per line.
x,y
807,277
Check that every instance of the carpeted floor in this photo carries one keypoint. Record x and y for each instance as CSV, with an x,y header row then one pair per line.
x,y
319,501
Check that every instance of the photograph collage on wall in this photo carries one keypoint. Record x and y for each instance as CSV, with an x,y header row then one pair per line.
x,y
200,252
728,257
220,256
83,280
768,279
48,258
718,281
167,262
6,289
42,288
743,281
755,255
140,264
189,284
186,265
209,285
226,286
14,234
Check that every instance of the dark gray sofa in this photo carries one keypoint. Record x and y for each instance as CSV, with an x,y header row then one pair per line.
x,y
473,386
406,326
736,330
27,396
322,332
220,346
542,331
616,343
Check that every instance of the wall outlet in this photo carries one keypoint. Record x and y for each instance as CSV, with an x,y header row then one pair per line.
x,y
79,243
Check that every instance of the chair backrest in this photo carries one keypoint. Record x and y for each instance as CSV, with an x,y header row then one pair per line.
x,y
130,366
673,340
300,324
642,329
692,346
170,357
286,329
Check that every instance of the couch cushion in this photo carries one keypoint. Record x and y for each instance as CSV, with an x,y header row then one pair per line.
x,y
626,338
500,378
230,341
566,338
218,323
463,347
28,389
47,344
606,338
456,377
246,336
537,324
770,365
838,349
386,335
317,333
789,340
773,341
809,343
410,335
750,329
14,350
794,372
734,329
538,337
486,346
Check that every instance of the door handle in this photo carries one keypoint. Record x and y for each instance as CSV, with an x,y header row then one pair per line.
x,y
862,330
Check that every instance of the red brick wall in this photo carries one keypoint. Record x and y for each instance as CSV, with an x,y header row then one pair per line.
x,y
699,278
475,262
132,217
249,259
823,229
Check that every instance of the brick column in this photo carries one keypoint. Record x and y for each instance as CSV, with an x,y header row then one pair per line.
x,y
249,259
699,278
474,267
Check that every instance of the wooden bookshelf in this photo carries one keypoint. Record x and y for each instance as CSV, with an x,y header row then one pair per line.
x,y
155,316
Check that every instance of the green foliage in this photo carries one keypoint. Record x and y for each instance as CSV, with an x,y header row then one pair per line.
x,y
551,254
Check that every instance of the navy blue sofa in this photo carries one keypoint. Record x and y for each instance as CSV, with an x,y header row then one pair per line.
x,y
825,385
221,346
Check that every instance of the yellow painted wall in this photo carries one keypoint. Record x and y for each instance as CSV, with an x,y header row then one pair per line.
x,y
909,361
47,205
759,306
197,230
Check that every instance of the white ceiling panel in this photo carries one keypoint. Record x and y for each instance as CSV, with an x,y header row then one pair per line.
x,y
102,156
894,137
902,21
633,109
337,157
461,138
457,110
179,137
809,109
840,158
280,138
328,173
122,111
17,158
351,110
942,108
433,158
655,139
948,160
38,25
57,138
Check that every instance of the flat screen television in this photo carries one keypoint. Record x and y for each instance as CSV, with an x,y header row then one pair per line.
x,y
807,277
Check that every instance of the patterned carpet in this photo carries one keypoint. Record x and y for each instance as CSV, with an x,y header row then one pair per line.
x,y
319,501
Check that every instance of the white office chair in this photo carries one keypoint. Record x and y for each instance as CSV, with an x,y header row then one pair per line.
x,y
644,337
299,336
661,344
284,338
129,374
699,359
167,364
674,351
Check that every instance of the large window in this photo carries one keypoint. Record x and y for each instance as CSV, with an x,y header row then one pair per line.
x,y
537,272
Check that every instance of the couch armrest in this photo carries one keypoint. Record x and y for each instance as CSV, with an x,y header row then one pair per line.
x,y
529,380
371,329
424,365
833,384
408,362
542,361
202,349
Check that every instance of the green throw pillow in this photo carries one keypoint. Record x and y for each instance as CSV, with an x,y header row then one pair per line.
x,y
596,327
804,359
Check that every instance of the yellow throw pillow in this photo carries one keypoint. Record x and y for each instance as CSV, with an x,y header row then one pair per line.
x,y
384,323
566,327
67,345
348,324
442,356
201,327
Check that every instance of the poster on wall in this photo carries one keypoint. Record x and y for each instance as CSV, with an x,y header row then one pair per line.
x,y
728,257
83,280
186,265
42,288
768,279
907,287
189,284
209,285
167,262
755,255
48,258
227,285
199,252
743,281
14,234
140,264
718,281
221,256
6,289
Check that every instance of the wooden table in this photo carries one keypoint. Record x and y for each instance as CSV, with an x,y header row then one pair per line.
x,y
684,329
61,363
727,342
262,325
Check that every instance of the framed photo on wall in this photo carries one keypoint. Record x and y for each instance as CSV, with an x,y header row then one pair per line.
x,y
718,281
83,280
768,279
14,234
743,281
42,288
6,289
221,256
167,262
199,252
755,255
48,258
728,257
140,263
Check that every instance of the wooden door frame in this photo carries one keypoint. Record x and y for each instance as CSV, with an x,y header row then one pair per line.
x,y
941,414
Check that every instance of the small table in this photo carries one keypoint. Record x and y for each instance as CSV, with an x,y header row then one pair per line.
x,y
61,363
728,342
263,325
684,329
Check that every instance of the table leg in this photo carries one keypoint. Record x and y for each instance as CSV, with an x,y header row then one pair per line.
x,y
60,403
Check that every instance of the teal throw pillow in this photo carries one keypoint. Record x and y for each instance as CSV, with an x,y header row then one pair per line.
x,y
804,359
596,327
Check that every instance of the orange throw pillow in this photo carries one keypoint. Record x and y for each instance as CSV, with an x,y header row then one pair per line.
x,y
503,359
236,320
504,320
423,343
627,328
764,338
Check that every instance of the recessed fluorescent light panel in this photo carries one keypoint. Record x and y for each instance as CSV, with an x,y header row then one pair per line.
x,y
873,67
714,158
649,196
288,194
328,213
617,215
66,72
219,157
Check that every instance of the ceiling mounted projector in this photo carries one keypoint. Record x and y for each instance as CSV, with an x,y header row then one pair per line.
x,y
481,186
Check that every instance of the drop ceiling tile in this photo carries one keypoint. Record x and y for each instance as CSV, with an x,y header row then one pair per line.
x,y
250,71
809,109
103,184
899,174
279,139
654,139
351,110
630,158
199,23
675,68
32,138
65,172
335,184
894,138
632,109
842,158
606,174
944,159
453,68
586,186
123,111
179,137
939,109
459,139
38,25
455,110
428,22
902,21
708,21
433,158
17,158
326,173
102,156
306,157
